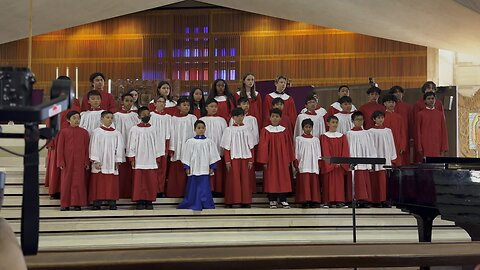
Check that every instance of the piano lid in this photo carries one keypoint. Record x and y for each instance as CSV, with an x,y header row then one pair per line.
x,y
454,162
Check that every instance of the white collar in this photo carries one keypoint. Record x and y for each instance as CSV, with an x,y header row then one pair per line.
x,y
283,96
221,98
275,129
333,134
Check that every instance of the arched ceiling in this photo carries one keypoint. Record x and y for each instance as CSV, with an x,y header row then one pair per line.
x,y
446,24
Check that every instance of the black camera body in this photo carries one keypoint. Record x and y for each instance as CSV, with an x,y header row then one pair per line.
x,y
16,105
2,187
15,86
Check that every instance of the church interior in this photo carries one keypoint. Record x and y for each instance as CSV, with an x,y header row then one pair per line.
x,y
318,45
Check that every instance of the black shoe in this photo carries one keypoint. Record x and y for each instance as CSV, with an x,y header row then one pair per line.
x,y
341,205
140,205
228,206
160,195
112,205
55,196
65,209
77,208
97,205
386,205
305,205
149,205
246,206
314,205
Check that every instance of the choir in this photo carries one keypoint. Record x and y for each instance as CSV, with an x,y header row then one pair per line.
x,y
198,148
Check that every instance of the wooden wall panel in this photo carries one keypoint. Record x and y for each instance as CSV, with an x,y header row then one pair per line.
x,y
192,47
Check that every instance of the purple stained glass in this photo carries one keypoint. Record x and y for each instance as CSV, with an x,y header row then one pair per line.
x,y
187,52
205,29
232,74
215,52
223,74
160,53
196,30
232,52
223,52
187,30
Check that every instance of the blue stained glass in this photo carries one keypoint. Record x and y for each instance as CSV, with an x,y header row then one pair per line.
x,y
205,52
205,39
232,74
215,52
187,30
205,29
195,39
187,40
232,52
215,74
224,52
223,74
195,52
160,53
196,30
187,52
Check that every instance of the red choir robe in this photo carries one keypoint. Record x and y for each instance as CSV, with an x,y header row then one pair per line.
x,y
395,122
52,174
336,108
255,108
143,150
360,144
431,133
180,131
224,110
170,107
215,125
108,102
318,122
162,121
275,149
420,106
406,111
308,154
124,121
368,109
238,144
108,149
334,144
72,155
384,147
197,112
289,108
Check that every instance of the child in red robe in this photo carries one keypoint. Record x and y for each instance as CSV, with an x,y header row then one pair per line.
x,y
225,99
165,90
384,147
315,114
406,111
431,122
254,98
97,80
308,154
107,151
52,174
216,125
238,143
143,154
395,122
181,131
275,151
161,121
73,162
289,104
124,120
372,105
343,91
360,144
289,124
334,144
197,102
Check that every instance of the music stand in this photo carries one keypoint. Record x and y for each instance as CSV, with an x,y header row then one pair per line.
x,y
354,161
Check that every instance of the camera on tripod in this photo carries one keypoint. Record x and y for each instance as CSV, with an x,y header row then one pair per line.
x,y
16,105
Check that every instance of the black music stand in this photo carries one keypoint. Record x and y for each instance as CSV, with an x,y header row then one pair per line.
x,y
354,161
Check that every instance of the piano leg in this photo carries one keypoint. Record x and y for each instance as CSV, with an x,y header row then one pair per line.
x,y
425,219
472,229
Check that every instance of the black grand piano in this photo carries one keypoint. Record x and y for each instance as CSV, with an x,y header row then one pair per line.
x,y
449,187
